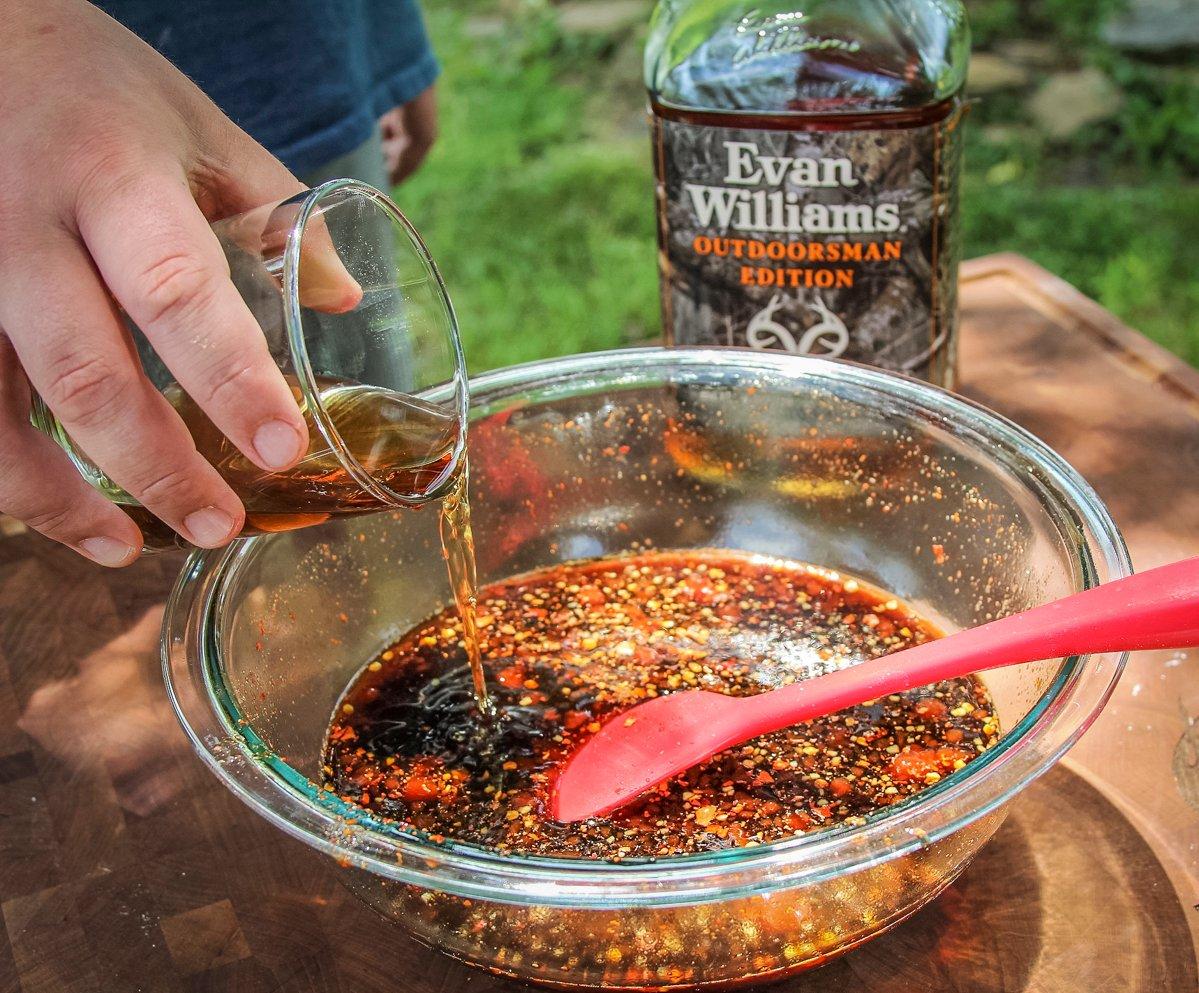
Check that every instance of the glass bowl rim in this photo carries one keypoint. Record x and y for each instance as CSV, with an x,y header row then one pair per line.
x,y
246,765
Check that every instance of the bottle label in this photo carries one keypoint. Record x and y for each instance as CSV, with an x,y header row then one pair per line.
x,y
839,244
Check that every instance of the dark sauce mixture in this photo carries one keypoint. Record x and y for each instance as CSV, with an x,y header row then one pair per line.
x,y
568,647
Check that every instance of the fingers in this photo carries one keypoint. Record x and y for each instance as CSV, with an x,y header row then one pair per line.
x,y
325,283
391,134
420,132
69,340
391,124
38,484
164,265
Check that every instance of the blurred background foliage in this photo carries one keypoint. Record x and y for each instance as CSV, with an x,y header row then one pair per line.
x,y
1082,153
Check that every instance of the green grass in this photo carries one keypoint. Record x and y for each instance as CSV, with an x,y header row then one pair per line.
x,y
1124,246
545,236
538,203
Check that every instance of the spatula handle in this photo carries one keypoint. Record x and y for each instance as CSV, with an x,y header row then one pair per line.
x,y
1158,609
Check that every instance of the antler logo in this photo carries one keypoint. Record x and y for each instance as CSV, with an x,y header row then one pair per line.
x,y
828,337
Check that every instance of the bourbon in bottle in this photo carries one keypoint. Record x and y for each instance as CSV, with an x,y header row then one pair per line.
x,y
807,159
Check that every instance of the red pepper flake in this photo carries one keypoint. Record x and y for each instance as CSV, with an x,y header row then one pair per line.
x,y
591,596
931,707
512,676
422,783
798,822
919,762
948,757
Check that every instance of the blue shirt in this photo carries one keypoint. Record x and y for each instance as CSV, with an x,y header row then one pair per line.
x,y
308,79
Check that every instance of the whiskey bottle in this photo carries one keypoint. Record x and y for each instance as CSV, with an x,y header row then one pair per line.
x,y
807,160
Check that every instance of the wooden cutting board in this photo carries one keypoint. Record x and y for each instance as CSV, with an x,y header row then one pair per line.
x,y
124,866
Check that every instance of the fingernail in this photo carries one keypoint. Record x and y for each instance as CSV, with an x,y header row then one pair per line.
x,y
107,551
277,444
210,526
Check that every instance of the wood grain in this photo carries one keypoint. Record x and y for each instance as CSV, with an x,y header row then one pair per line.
x,y
124,866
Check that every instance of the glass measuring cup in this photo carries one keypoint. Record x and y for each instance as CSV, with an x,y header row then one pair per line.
x,y
357,318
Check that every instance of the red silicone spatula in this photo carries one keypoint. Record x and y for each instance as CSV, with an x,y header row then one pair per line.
x,y
656,740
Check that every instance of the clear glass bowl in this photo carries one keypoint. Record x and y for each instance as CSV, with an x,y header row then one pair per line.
x,y
913,489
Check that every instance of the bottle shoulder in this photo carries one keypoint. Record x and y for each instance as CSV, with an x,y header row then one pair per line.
x,y
824,57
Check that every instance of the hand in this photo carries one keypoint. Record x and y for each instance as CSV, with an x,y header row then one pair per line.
x,y
408,134
113,163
